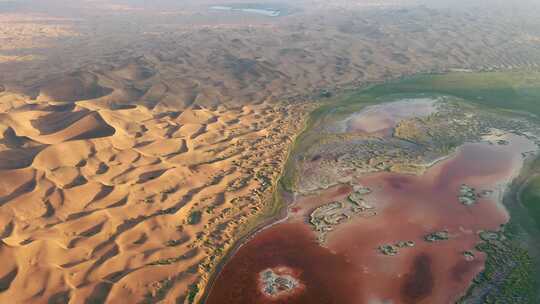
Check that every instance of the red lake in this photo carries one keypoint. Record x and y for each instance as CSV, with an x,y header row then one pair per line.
x,y
349,268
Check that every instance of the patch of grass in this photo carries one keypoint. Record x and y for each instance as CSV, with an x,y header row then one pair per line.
x,y
511,90
530,198
509,276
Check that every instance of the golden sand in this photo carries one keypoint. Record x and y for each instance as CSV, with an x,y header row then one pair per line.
x,y
125,203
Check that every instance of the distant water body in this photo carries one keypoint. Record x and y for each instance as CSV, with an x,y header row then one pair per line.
x,y
261,11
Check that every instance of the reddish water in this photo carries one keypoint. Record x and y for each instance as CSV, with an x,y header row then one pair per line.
x,y
351,270
327,277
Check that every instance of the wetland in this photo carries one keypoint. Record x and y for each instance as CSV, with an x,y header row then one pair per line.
x,y
394,198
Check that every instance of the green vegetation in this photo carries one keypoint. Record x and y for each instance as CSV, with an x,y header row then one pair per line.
x,y
264,180
194,217
509,276
192,293
514,90
530,198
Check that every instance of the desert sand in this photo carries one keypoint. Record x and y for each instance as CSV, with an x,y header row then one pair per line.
x,y
101,201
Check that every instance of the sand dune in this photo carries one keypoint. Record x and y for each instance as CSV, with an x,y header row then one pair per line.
x,y
101,202
18,158
75,87
134,71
